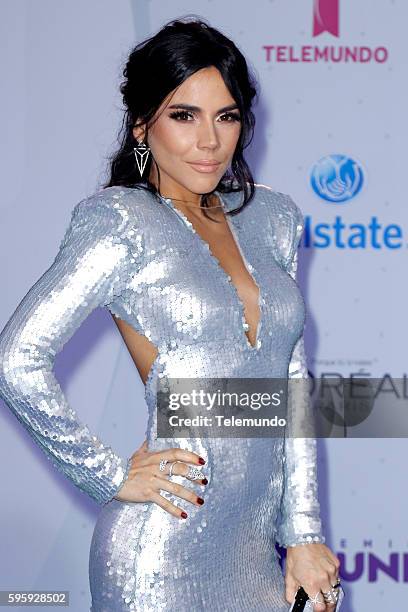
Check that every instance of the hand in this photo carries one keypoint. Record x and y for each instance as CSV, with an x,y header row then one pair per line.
x,y
145,478
314,567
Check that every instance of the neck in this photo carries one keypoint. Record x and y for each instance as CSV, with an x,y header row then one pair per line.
x,y
183,197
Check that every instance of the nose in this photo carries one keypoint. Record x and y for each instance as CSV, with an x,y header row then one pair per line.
x,y
207,135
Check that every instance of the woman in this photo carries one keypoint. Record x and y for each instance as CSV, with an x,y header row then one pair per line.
x,y
197,265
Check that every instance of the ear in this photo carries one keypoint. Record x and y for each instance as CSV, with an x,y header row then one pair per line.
x,y
139,133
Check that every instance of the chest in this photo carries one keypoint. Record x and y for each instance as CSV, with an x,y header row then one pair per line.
x,y
193,286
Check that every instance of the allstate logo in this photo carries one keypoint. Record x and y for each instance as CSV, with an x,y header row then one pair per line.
x,y
336,178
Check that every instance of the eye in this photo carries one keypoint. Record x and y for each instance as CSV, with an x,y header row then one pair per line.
x,y
232,117
183,115
180,115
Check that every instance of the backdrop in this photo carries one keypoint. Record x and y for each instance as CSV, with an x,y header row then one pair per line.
x,y
331,132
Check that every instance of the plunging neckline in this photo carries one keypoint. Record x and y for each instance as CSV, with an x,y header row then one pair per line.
x,y
223,273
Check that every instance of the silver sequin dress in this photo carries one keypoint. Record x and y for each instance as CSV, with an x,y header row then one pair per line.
x,y
140,257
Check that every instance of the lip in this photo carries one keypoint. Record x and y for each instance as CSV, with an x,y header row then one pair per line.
x,y
205,166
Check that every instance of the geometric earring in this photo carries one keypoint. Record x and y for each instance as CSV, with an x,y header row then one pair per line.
x,y
141,154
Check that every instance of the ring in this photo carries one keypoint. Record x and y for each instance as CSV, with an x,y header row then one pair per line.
x,y
163,463
171,467
194,473
315,598
330,600
331,596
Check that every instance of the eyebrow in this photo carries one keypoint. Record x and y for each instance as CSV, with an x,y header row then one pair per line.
x,y
198,109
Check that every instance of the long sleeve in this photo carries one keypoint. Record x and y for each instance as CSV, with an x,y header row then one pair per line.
x,y
300,508
88,271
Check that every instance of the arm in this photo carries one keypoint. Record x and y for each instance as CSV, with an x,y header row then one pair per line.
x,y
88,271
300,520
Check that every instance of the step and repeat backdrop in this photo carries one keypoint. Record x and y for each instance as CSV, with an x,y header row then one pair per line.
x,y
331,131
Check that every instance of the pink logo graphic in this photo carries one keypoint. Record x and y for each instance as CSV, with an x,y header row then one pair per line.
x,y
326,17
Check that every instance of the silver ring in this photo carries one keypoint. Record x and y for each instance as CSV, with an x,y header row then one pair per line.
x,y
330,596
163,463
315,599
171,467
194,473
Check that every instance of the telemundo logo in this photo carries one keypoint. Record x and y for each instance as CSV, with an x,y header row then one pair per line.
x,y
337,179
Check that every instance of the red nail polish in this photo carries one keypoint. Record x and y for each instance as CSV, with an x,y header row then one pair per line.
x,y
200,500
204,481
184,514
201,460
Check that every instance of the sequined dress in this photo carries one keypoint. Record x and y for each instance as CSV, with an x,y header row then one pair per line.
x,y
139,256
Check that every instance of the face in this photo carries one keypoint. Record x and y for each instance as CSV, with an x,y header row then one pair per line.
x,y
181,137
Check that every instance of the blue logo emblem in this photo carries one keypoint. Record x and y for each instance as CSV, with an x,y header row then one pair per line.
x,y
336,178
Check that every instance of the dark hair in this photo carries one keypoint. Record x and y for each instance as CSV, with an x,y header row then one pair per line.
x,y
156,67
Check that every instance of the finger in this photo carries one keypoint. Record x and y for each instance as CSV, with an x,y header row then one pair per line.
x,y
320,606
332,569
315,594
177,489
184,469
333,577
330,607
325,586
291,587
336,562
142,449
167,505
176,454
180,469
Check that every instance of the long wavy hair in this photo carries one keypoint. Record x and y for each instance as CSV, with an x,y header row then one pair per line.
x,y
158,65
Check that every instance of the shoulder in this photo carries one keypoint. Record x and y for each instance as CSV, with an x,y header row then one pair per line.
x,y
280,203
106,217
112,210
111,205
285,218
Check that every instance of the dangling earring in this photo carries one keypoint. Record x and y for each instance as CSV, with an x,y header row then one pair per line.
x,y
141,155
